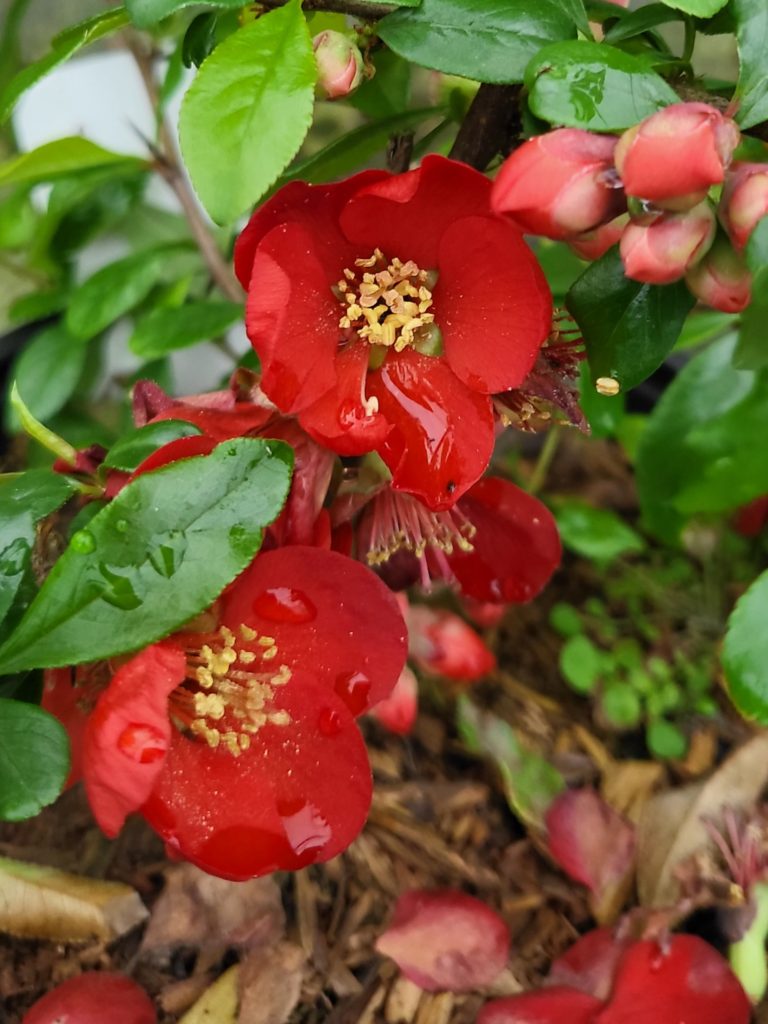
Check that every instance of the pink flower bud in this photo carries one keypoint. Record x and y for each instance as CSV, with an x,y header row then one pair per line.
x,y
722,279
660,248
744,201
559,184
443,643
673,156
398,712
339,64
593,244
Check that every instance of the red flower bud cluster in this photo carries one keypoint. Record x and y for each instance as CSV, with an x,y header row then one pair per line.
x,y
648,190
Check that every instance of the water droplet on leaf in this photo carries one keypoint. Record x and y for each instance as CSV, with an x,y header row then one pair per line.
x,y
168,555
122,586
83,542
121,525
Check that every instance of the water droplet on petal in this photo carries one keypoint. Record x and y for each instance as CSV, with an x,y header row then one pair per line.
x,y
329,722
83,542
142,743
305,827
353,688
284,604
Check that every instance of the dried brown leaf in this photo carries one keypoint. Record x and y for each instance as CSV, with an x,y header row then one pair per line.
x,y
671,827
270,984
45,903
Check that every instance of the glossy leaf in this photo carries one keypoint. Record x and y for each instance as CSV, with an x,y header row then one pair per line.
x,y
248,110
115,290
594,86
145,13
66,156
488,40
698,8
24,500
48,370
635,23
157,555
629,328
63,47
745,652
699,452
130,451
595,533
752,87
164,330
34,759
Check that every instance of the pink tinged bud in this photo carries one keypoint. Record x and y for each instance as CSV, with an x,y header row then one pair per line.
x,y
559,184
339,64
594,244
660,248
722,279
443,643
398,712
677,153
446,941
744,201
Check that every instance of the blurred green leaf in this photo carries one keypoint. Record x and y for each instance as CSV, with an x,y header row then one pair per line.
x,y
581,663
66,156
665,740
47,372
595,533
752,87
745,652
635,23
165,330
34,759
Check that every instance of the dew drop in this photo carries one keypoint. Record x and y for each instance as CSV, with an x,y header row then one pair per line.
x,y
305,827
121,590
121,525
329,722
284,604
353,688
13,557
142,743
83,542
167,556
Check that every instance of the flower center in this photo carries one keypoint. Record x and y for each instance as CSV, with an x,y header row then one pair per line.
x,y
228,692
387,303
399,522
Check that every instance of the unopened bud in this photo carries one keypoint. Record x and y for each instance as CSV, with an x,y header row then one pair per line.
x,y
559,184
659,249
744,201
593,244
339,64
675,155
722,280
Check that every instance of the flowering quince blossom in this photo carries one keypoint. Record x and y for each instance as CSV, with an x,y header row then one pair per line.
x,y
386,310
235,737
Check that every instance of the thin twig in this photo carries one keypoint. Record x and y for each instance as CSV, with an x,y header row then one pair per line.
x,y
169,167
544,461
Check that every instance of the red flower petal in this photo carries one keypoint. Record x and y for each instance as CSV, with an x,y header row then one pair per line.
x,y
443,643
64,701
328,615
690,983
516,547
406,215
442,436
590,841
303,518
297,796
93,998
492,303
316,207
398,712
552,1006
590,964
292,317
339,419
446,940
128,734
217,420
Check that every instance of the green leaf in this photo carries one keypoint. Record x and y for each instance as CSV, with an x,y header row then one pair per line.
x,y
564,618
596,533
248,110
698,8
146,13
757,248
752,36
621,705
130,451
154,557
581,663
593,86
66,156
752,349
164,330
665,739
63,47
701,451
387,92
629,328
635,23
47,372
488,40
745,652
605,413
24,500
34,759
115,290
576,11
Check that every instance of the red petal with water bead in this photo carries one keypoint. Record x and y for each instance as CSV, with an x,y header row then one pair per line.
x,y
442,434
64,701
516,547
551,1006
492,302
328,615
128,735
298,795
405,215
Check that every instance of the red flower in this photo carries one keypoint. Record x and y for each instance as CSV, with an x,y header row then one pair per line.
x,y
236,738
386,310
440,641
92,998
398,711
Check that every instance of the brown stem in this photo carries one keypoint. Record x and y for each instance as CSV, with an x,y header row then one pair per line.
x,y
492,125
169,167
